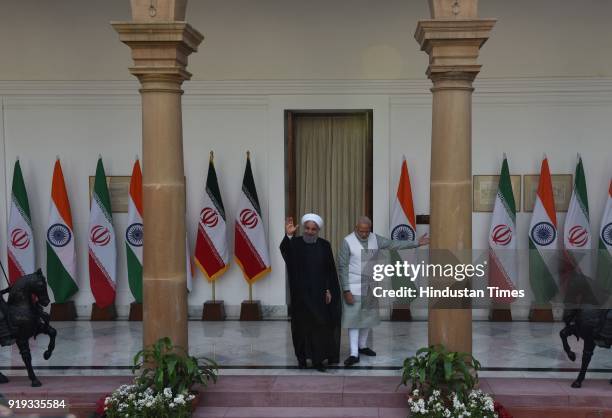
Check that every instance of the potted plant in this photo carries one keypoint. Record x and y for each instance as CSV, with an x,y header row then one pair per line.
x,y
164,385
443,386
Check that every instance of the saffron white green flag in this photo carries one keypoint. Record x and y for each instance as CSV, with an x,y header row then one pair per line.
x,y
604,259
503,259
102,243
134,234
20,251
403,223
543,242
403,227
61,253
577,230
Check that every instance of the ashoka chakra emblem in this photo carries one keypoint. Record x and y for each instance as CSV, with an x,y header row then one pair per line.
x,y
58,235
606,234
403,232
134,235
543,233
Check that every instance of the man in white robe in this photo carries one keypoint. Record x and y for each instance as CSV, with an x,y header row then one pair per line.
x,y
356,318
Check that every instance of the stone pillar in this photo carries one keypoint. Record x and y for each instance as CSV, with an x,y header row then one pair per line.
x,y
452,39
160,46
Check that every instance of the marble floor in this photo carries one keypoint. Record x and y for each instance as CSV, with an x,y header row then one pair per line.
x,y
515,349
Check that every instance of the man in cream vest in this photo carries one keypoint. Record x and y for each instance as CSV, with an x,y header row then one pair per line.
x,y
359,321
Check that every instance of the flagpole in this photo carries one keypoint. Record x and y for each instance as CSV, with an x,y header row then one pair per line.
x,y
5,276
248,153
211,161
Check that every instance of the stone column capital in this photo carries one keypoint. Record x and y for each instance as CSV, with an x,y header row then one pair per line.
x,y
453,46
159,50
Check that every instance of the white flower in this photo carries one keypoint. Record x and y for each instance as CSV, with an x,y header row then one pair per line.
x,y
168,392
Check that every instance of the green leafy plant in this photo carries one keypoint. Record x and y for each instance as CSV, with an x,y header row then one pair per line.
x,y
161,366
436,368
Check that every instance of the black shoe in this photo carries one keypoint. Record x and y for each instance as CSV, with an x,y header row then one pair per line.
x,y
351,360
367,351
320,367
302,364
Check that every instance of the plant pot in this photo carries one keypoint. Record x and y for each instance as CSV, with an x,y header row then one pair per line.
x,y
195,402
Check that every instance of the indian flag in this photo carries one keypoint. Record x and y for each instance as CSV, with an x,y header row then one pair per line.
x,y
577,230
403,223
604,260
543,242
211,252
102,245
134,233
20,237
250,245
61,253
503,261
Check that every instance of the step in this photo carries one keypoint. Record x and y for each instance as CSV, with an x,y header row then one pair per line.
x,y
307,394
299,412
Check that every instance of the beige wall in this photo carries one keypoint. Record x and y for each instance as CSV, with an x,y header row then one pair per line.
x,y
315,39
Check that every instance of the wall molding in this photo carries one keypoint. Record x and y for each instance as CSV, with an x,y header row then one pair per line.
x,y
512,91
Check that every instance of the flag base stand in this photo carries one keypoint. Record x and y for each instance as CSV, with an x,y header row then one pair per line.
x,y
541,313
400,312
103,314
63,311
250,310
135,312
500,315
214,310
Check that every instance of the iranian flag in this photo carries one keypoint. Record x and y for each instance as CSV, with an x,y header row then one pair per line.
x,y
134,234
577,230
503,261
604,261
61,253
543,243
102,245
211,252
20,237
403,224
250,246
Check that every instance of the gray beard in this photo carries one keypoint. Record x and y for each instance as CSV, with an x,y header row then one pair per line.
x,y
309,239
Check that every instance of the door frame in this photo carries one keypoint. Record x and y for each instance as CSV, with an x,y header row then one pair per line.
x,y
290,158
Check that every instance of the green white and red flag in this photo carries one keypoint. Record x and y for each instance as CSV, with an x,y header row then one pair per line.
x,y
61,252
134,234
403,222
20,251
543,241
604,259
211,250
577,229
102,243
250,245
503,257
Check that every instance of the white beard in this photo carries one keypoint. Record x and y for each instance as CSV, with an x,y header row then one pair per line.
x,y
309,239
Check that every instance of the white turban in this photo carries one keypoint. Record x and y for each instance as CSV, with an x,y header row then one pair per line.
x,y
314,218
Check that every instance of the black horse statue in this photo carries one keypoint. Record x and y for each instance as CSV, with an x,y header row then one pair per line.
x,y
594,326
23,317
